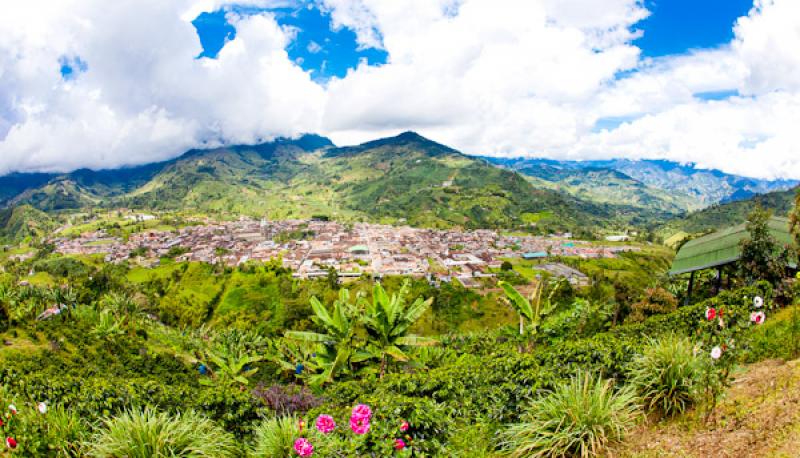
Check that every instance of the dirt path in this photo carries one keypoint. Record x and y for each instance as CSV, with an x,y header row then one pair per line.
x,y
760,417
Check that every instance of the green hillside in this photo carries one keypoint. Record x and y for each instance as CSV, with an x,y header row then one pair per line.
x,y
732,213
22,222
403,179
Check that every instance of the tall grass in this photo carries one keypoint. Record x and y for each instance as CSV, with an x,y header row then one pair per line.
x,y
581,418
665,375
149,434
274,438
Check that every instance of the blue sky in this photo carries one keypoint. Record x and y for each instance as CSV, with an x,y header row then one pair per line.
x,y
320,48
678,26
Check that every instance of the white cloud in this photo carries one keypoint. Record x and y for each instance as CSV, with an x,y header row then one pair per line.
x,y
144,96
519,77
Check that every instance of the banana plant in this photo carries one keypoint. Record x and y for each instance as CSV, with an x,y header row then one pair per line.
x,y
231,353
8,299
532,308
336,346
388,321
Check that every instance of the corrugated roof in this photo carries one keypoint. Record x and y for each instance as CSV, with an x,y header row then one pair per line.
x,y
722,247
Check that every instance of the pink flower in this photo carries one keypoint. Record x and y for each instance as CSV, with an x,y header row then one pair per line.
x,y
359,425
757,317
11,443
13,409
711,314
399,444
362,411
325,424
404,426
303,447
716,352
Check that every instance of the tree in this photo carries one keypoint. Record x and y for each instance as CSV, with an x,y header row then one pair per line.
x,y
506,266
532,308
388,321
794,218
337,343
8,298
762,257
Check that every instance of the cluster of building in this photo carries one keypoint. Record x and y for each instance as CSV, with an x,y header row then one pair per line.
x,y
311,248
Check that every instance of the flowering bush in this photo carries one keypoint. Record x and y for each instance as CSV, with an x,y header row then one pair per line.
x,y
388,438
724,323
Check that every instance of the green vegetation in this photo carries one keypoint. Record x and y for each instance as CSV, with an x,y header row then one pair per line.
x,y
193,359
147,434
580,418
666,375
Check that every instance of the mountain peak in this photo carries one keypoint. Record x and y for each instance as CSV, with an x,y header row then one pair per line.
x,y
407,139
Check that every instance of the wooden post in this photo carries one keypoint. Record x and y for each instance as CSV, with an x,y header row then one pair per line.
x,y
689,291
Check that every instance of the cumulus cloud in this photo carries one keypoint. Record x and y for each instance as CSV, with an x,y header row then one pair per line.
x,y
142,95
521,77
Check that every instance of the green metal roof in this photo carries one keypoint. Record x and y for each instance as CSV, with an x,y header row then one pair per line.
x,y
723,247
359,248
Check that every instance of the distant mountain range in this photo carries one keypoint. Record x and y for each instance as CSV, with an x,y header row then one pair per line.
x,y
402,179
660,184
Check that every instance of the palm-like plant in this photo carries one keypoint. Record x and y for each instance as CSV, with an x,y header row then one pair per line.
x,y
8,298
388,321
532,308
336,345
231,353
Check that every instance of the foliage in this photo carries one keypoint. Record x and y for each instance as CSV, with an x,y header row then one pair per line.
x,y
580,418
666,375
533,308
275,437
655,301
150,434
762,257
287,399
388,321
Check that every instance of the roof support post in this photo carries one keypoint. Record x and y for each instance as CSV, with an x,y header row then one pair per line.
x,y
718,285
689,291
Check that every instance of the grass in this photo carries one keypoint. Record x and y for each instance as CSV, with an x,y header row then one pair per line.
x,y
275,437
665,375
579,419
149,434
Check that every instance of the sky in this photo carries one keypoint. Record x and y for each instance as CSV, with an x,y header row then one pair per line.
x,y
97,84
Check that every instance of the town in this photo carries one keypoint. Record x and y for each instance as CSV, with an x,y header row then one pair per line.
x,y
312,248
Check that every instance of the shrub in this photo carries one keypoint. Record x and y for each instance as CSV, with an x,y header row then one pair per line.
x,y
275,437
286,399
51,432
580,418
665,375
146,434
655,301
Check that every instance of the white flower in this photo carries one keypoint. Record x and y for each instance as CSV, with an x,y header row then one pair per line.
x,y
42,407
758,302
716,352
757,317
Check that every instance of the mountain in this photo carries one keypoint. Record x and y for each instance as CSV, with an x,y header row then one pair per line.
x,y
24,221
732,213
402,179
649,184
